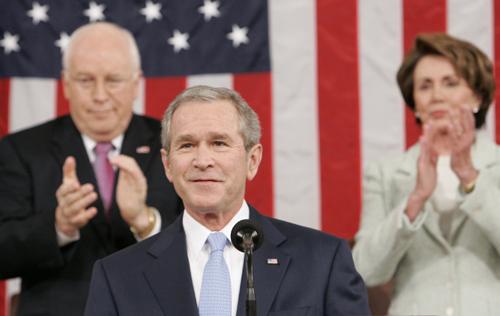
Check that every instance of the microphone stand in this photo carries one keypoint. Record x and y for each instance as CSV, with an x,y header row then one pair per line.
x,y
251,302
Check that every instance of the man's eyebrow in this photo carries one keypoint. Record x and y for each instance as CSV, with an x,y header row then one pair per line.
x,y
183,138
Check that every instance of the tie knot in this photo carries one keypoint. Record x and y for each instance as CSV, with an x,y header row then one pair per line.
x,y
217,241
103,148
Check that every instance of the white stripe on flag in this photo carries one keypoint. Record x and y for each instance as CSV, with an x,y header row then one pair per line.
x,y
473,21
139,102
32,101
295,125
380,53
13,287
215,80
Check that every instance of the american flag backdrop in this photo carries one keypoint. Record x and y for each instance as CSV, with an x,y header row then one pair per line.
x,y
320,74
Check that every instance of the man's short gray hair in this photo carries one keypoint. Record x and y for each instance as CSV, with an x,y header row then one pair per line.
x,y
134,50
248,120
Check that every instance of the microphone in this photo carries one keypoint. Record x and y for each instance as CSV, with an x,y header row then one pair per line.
x,y
247,237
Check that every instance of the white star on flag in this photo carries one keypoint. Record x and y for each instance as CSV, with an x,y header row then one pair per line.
x,y
95,12
151,11
39,13
10,43
63,41
210,9
238,35
179,41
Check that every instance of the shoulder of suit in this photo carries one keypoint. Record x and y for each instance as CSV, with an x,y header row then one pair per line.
x,y
391,162
35,135
151,122
133,253
292,231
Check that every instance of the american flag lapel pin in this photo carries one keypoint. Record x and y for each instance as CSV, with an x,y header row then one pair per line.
x,y
272,261
143,150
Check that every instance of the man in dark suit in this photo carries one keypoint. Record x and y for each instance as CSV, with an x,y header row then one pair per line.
x,y
82,186
211,147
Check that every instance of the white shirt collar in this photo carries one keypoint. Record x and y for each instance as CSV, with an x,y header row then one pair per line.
x,y
198,234
89,144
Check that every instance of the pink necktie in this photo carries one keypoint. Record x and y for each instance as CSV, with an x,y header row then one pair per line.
x,y
104,173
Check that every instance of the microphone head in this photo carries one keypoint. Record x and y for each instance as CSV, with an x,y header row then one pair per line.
x,y
246,235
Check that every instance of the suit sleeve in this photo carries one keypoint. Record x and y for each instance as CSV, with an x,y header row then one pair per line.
x,y
27,237
482,205
384,235
347,293
99,301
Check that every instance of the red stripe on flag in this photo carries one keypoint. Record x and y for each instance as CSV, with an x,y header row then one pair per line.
x,y
4,106
256,89
496,36
3,298
338,101
159,92
62,104
420,17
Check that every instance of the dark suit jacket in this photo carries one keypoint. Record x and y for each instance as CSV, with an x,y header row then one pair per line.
x,y
55,280
315,276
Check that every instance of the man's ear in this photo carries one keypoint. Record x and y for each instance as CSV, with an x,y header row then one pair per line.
x,y
166,164
254,158
137,84
65,82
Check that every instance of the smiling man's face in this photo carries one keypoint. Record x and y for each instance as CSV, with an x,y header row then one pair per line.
x,y
207,162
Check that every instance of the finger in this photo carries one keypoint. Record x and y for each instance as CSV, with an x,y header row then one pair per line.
x,y
83,202
456,121
66,188
426,131
469,119
129,166
428,134
82,218
80,204
424,144
69,169
69,197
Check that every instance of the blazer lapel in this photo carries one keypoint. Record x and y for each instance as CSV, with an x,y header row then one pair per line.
x,y
267,277
431,225
405,175
169,275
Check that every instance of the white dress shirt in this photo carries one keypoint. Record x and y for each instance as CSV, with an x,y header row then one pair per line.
x,y
198,251
89,143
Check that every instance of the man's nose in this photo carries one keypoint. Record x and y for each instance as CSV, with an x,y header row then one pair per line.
x,y
203,158
100,92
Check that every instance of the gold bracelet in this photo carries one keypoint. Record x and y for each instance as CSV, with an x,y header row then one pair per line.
x,y
468,188
151,224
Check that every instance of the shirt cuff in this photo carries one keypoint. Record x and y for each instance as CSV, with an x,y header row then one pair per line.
x,y
404,221
63,239
156,228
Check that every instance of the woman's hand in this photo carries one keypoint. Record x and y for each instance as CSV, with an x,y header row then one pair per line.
x,y
463,134
426,173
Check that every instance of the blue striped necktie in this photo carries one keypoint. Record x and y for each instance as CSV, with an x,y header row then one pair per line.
x,y
215,296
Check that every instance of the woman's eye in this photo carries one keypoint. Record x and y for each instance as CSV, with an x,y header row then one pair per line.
x,y
423,87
